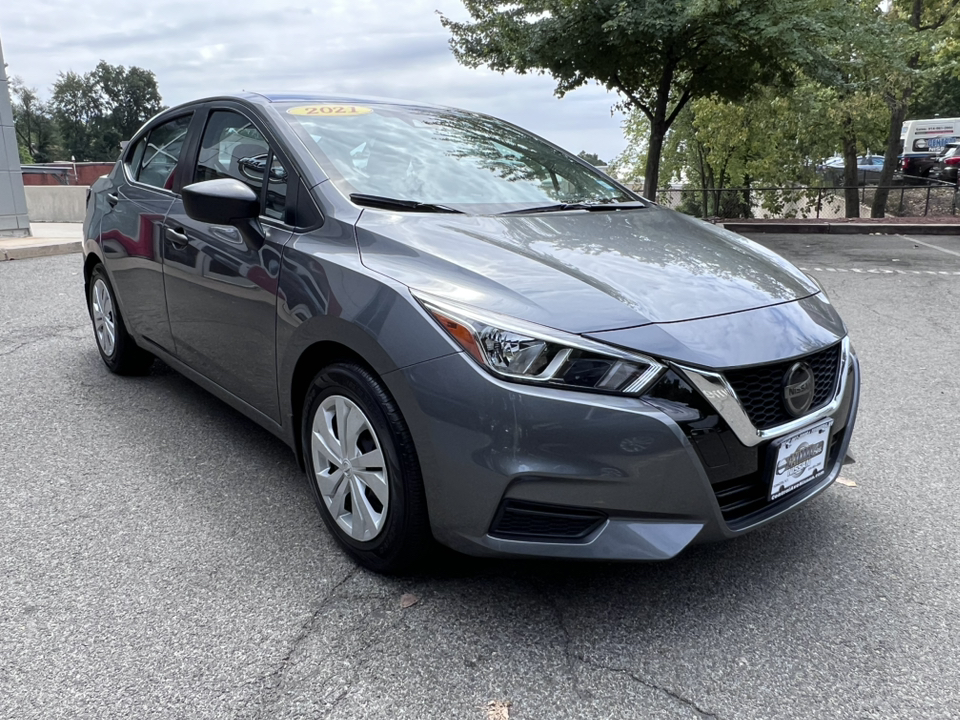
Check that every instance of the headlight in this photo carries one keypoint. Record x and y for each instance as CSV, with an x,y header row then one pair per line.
x,y
517,350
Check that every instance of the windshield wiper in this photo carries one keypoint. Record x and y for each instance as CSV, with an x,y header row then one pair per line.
x,y
388,203
589,206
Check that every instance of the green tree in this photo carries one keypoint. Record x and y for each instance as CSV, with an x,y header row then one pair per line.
x,y
938,94
98,109
858,59
657,55
777,138
918,27
76,106
34,124
591,158
130,98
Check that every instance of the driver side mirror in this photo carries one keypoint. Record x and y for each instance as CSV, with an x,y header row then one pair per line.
x,y
226,201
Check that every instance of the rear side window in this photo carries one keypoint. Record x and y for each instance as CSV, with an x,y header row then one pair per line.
x,y
154,159
135,157
232,147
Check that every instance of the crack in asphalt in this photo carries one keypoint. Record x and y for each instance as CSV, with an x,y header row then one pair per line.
x,y
271,682
707,714
572,658
59,332
336,701
346,687
575,657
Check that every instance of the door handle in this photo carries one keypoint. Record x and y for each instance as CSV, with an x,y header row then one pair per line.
x,y
177,238
113,199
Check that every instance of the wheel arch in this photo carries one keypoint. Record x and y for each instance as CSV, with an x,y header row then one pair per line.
x,y
89,263
312,359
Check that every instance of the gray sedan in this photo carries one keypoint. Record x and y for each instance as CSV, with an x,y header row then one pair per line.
x,y
466,334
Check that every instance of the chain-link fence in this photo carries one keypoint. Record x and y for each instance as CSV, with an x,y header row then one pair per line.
x,y
934,199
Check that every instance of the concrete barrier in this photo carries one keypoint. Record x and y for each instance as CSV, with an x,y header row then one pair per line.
x,y
56,203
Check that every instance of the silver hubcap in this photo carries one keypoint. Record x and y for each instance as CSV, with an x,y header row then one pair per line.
x,y
104,321
350,471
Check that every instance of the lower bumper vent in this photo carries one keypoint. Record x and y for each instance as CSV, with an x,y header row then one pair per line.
x,y
518,520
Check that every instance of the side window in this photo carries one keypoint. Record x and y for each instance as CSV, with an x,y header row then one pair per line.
x,y
135,157
232,147
161,153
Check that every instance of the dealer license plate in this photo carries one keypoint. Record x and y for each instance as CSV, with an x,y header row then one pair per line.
x,y
800,458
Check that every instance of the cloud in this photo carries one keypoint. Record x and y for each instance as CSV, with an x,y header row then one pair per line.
x,y
390,48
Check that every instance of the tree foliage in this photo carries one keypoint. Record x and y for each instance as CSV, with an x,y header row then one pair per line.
x,y
591,158
919,29
851,102
775,139
94,111
34,124
657,55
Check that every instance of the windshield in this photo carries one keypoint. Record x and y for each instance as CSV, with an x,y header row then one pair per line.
x,y
443,157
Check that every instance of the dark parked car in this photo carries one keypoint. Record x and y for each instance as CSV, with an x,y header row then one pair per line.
x,y
869,168
466,334
947,164
918,165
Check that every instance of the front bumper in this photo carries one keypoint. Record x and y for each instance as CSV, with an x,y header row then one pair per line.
x,y
483,443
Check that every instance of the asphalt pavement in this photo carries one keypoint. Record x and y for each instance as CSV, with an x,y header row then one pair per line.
x,y
162,557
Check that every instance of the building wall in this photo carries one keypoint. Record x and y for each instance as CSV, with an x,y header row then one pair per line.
x,y
64,203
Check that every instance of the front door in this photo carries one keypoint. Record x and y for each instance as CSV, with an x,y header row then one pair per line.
x,y
131,229
222,291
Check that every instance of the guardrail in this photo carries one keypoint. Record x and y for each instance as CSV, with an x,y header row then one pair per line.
x,y
932,198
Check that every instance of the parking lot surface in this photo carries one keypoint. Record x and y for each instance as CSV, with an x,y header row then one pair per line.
x,y
162,557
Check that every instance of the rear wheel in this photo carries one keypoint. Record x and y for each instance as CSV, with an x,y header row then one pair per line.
x,y
363,469
119,351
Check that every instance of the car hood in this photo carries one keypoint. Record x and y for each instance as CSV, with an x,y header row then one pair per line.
x,y
580,271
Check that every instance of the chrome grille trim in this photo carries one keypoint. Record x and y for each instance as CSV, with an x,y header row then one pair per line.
x,y
719,393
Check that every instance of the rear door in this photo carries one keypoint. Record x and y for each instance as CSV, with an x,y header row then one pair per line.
x,y
221,292
131,228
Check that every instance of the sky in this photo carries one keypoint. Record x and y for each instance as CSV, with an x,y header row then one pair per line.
x,y
387,48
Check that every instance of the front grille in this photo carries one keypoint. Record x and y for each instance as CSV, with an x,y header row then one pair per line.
x,y
760,389
518,520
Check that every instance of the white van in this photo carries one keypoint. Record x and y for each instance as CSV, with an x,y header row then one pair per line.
x,y
928,136
922,140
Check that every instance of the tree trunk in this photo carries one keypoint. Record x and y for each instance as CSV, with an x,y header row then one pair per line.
x,y
898,111
850,180
651,176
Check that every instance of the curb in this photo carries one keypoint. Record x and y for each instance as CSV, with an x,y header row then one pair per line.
x,y
844,228
33,251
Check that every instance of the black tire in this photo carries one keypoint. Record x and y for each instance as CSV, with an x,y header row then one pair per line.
x,y
404,543
125,357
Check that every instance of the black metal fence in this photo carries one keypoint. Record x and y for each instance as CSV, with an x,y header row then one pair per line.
x,y
933,199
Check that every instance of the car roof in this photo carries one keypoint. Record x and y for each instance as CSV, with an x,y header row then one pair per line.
x,y
288,97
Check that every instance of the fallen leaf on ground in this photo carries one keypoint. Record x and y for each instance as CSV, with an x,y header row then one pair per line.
x,y
497,710
408,600
846,481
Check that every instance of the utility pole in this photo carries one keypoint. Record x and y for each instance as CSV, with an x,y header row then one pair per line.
x,y
13,202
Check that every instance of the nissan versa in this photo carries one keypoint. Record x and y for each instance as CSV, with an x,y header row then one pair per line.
x,y
465,333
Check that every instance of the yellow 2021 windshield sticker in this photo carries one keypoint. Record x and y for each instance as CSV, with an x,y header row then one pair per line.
x,y
329,110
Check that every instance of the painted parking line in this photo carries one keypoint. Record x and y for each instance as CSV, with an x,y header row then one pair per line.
x,y
932,247
881,271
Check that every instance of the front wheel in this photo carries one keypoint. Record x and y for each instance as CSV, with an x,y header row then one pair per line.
x,y
363,469
119,351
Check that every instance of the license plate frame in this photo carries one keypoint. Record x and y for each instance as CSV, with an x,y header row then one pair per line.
x,y
799,458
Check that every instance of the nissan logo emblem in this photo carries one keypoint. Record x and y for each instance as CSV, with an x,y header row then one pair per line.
x,y
798,389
